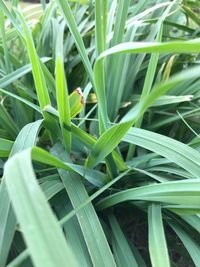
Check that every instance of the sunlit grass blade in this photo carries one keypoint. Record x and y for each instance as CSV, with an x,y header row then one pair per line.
x,y
40,84
157,242
62,92
41,230
171,99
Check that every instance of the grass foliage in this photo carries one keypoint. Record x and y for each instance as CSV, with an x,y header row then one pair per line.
x,y
99,134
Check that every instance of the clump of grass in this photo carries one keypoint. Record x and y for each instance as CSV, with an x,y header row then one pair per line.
x,y
99,134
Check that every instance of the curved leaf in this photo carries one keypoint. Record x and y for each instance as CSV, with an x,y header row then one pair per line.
x,y
41,230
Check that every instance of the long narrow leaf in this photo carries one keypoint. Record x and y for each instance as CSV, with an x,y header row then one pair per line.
x,y
41,230
68,15
40,84
62,92
26,138
157,242
186,192
122,251
91,228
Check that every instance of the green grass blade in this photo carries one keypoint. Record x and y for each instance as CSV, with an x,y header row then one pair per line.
x,y
183,155
62,92
157,242
42,156
172,99
68,15
100,30
121,16
4,42
51,185
41,230
7,224
183,209
40,83
122,251
73,233
184,192
10,16
19,259
106,143
100,25
91,228
67,217
45,20
26,138
92,197
111,16
21,99
115,64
